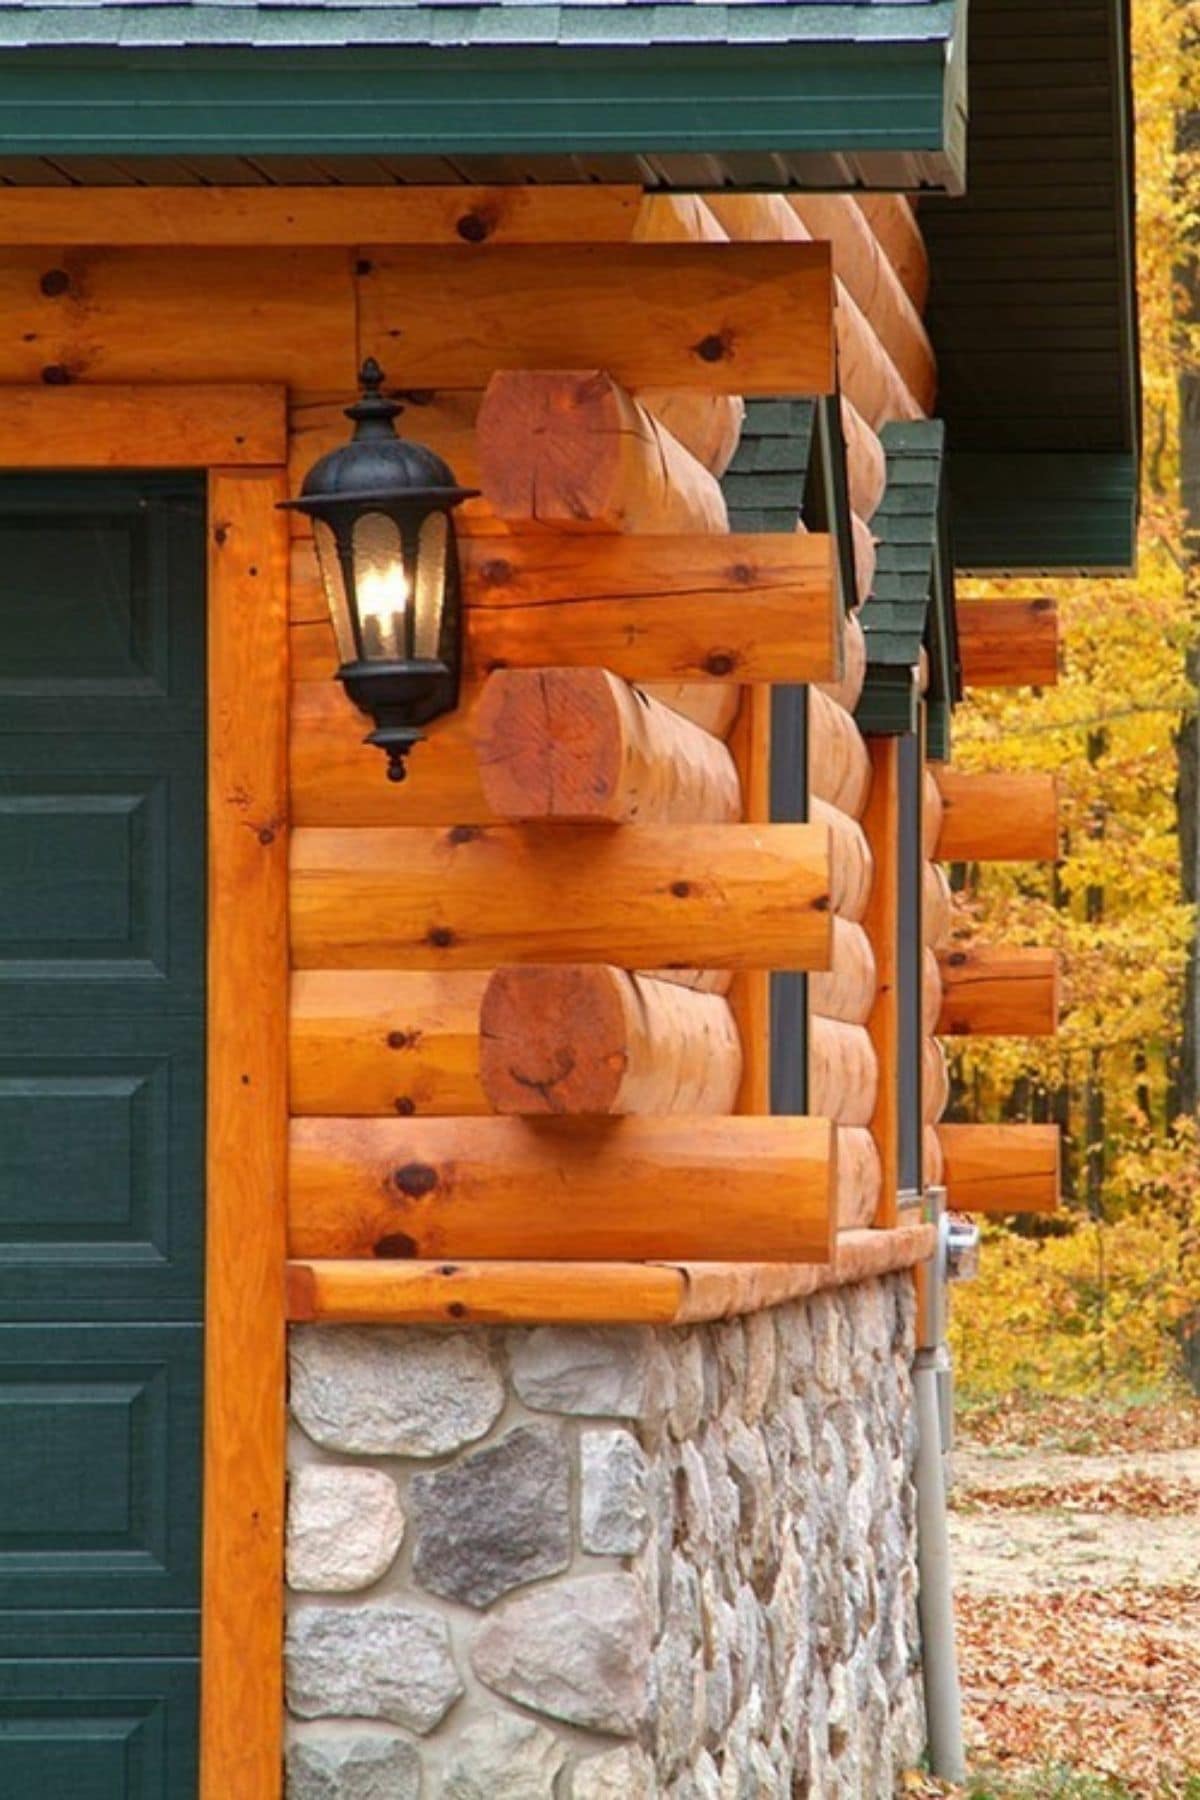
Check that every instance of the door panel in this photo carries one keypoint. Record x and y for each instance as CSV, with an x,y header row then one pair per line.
x,y
102,827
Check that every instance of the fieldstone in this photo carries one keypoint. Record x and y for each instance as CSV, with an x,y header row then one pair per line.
x,y
760,1364
697,1500
495,1519
379,1661
613,1371
503,1757
353,1768
344,1528
624,1774
577,1650
393,1391
688,1410
614,1473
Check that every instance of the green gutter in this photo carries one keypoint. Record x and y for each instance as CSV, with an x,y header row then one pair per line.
x,y
829,99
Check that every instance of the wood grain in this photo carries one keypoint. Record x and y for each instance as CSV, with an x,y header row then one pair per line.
x,y
468,897
729,318
339,1292
384,1041
993,990
1008,643
881,822
738,1189
1001,1168
589,1038
109,427
998,817
244,1380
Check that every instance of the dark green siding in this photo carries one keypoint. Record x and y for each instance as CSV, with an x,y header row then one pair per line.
x,y
101,1130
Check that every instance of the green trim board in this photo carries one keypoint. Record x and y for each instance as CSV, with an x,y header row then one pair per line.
x,y
1064,512
766,93
912,605
790,468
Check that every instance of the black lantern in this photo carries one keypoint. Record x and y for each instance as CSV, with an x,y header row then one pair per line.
x,y
380,508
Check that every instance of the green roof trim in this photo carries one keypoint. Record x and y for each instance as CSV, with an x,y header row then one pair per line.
x,y
1050,513
912,604
753,93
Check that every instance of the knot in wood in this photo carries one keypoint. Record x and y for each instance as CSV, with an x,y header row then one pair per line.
x,y
474,227
54,283
713,348
416,1179
396,1244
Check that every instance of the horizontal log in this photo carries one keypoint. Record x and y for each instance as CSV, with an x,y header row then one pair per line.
x,y
146,315
341,1292
846,990
866,464
839,769
993,990
336,781
937,904
1001,1168
998,817
1008,643
382,1041
933,1162
846,691
860,1177
200,426
594,1039
709,426
739,1189
714,705
864,561
851,865
574,450
740,608
580,745
931,815
865,370
860,261
677,219
895,224
843,1074
931,992
935,1081
471,897
249,217
728,318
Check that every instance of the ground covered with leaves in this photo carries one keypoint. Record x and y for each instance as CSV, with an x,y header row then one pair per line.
x,y
1077,1568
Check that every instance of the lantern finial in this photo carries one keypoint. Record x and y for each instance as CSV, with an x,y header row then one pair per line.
x,y
373,412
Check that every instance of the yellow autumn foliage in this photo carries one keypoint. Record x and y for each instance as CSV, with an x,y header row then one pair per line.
x,y
1102,1299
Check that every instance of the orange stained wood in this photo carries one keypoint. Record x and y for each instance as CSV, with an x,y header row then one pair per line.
x,y
728,318
563,1189
646,607
998,817
881,821
248,217
244,1379
1001,1168
116,315
344,1292
472,897
388,1041
750,992
1008,643
997,990
111,427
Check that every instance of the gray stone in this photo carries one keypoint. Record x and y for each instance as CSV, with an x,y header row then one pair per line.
x,y
614,1517
688,1410
578,1650
504,1757
344,1527
378,1661
624,1774
760,1364
393,1391
495,1519
612,1371
353,1768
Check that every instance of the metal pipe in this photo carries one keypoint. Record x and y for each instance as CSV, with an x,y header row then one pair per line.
x,y
935,1593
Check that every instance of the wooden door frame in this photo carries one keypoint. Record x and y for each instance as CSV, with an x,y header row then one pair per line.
x,y
238,437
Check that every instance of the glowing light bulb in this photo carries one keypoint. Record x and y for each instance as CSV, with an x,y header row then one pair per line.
x,y
383,598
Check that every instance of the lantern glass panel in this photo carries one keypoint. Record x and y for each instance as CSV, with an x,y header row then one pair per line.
x,y
381,588
334,579
431,586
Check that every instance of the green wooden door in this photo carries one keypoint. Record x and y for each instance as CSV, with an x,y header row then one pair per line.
x,y
102,824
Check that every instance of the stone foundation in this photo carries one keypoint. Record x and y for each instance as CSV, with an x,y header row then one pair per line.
x,y
606,1564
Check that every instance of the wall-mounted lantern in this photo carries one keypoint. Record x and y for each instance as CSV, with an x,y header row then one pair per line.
x,y
381,510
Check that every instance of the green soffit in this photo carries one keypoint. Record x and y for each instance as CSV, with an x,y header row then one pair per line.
x,y
749,93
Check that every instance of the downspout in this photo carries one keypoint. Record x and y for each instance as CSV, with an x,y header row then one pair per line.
x,y
955,1258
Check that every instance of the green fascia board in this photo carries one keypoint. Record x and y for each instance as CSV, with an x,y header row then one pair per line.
x,y
716,98
889,704
938,723
1051,513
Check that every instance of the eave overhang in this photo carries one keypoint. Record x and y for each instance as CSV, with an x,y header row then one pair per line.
x,y
1032,306
749,95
